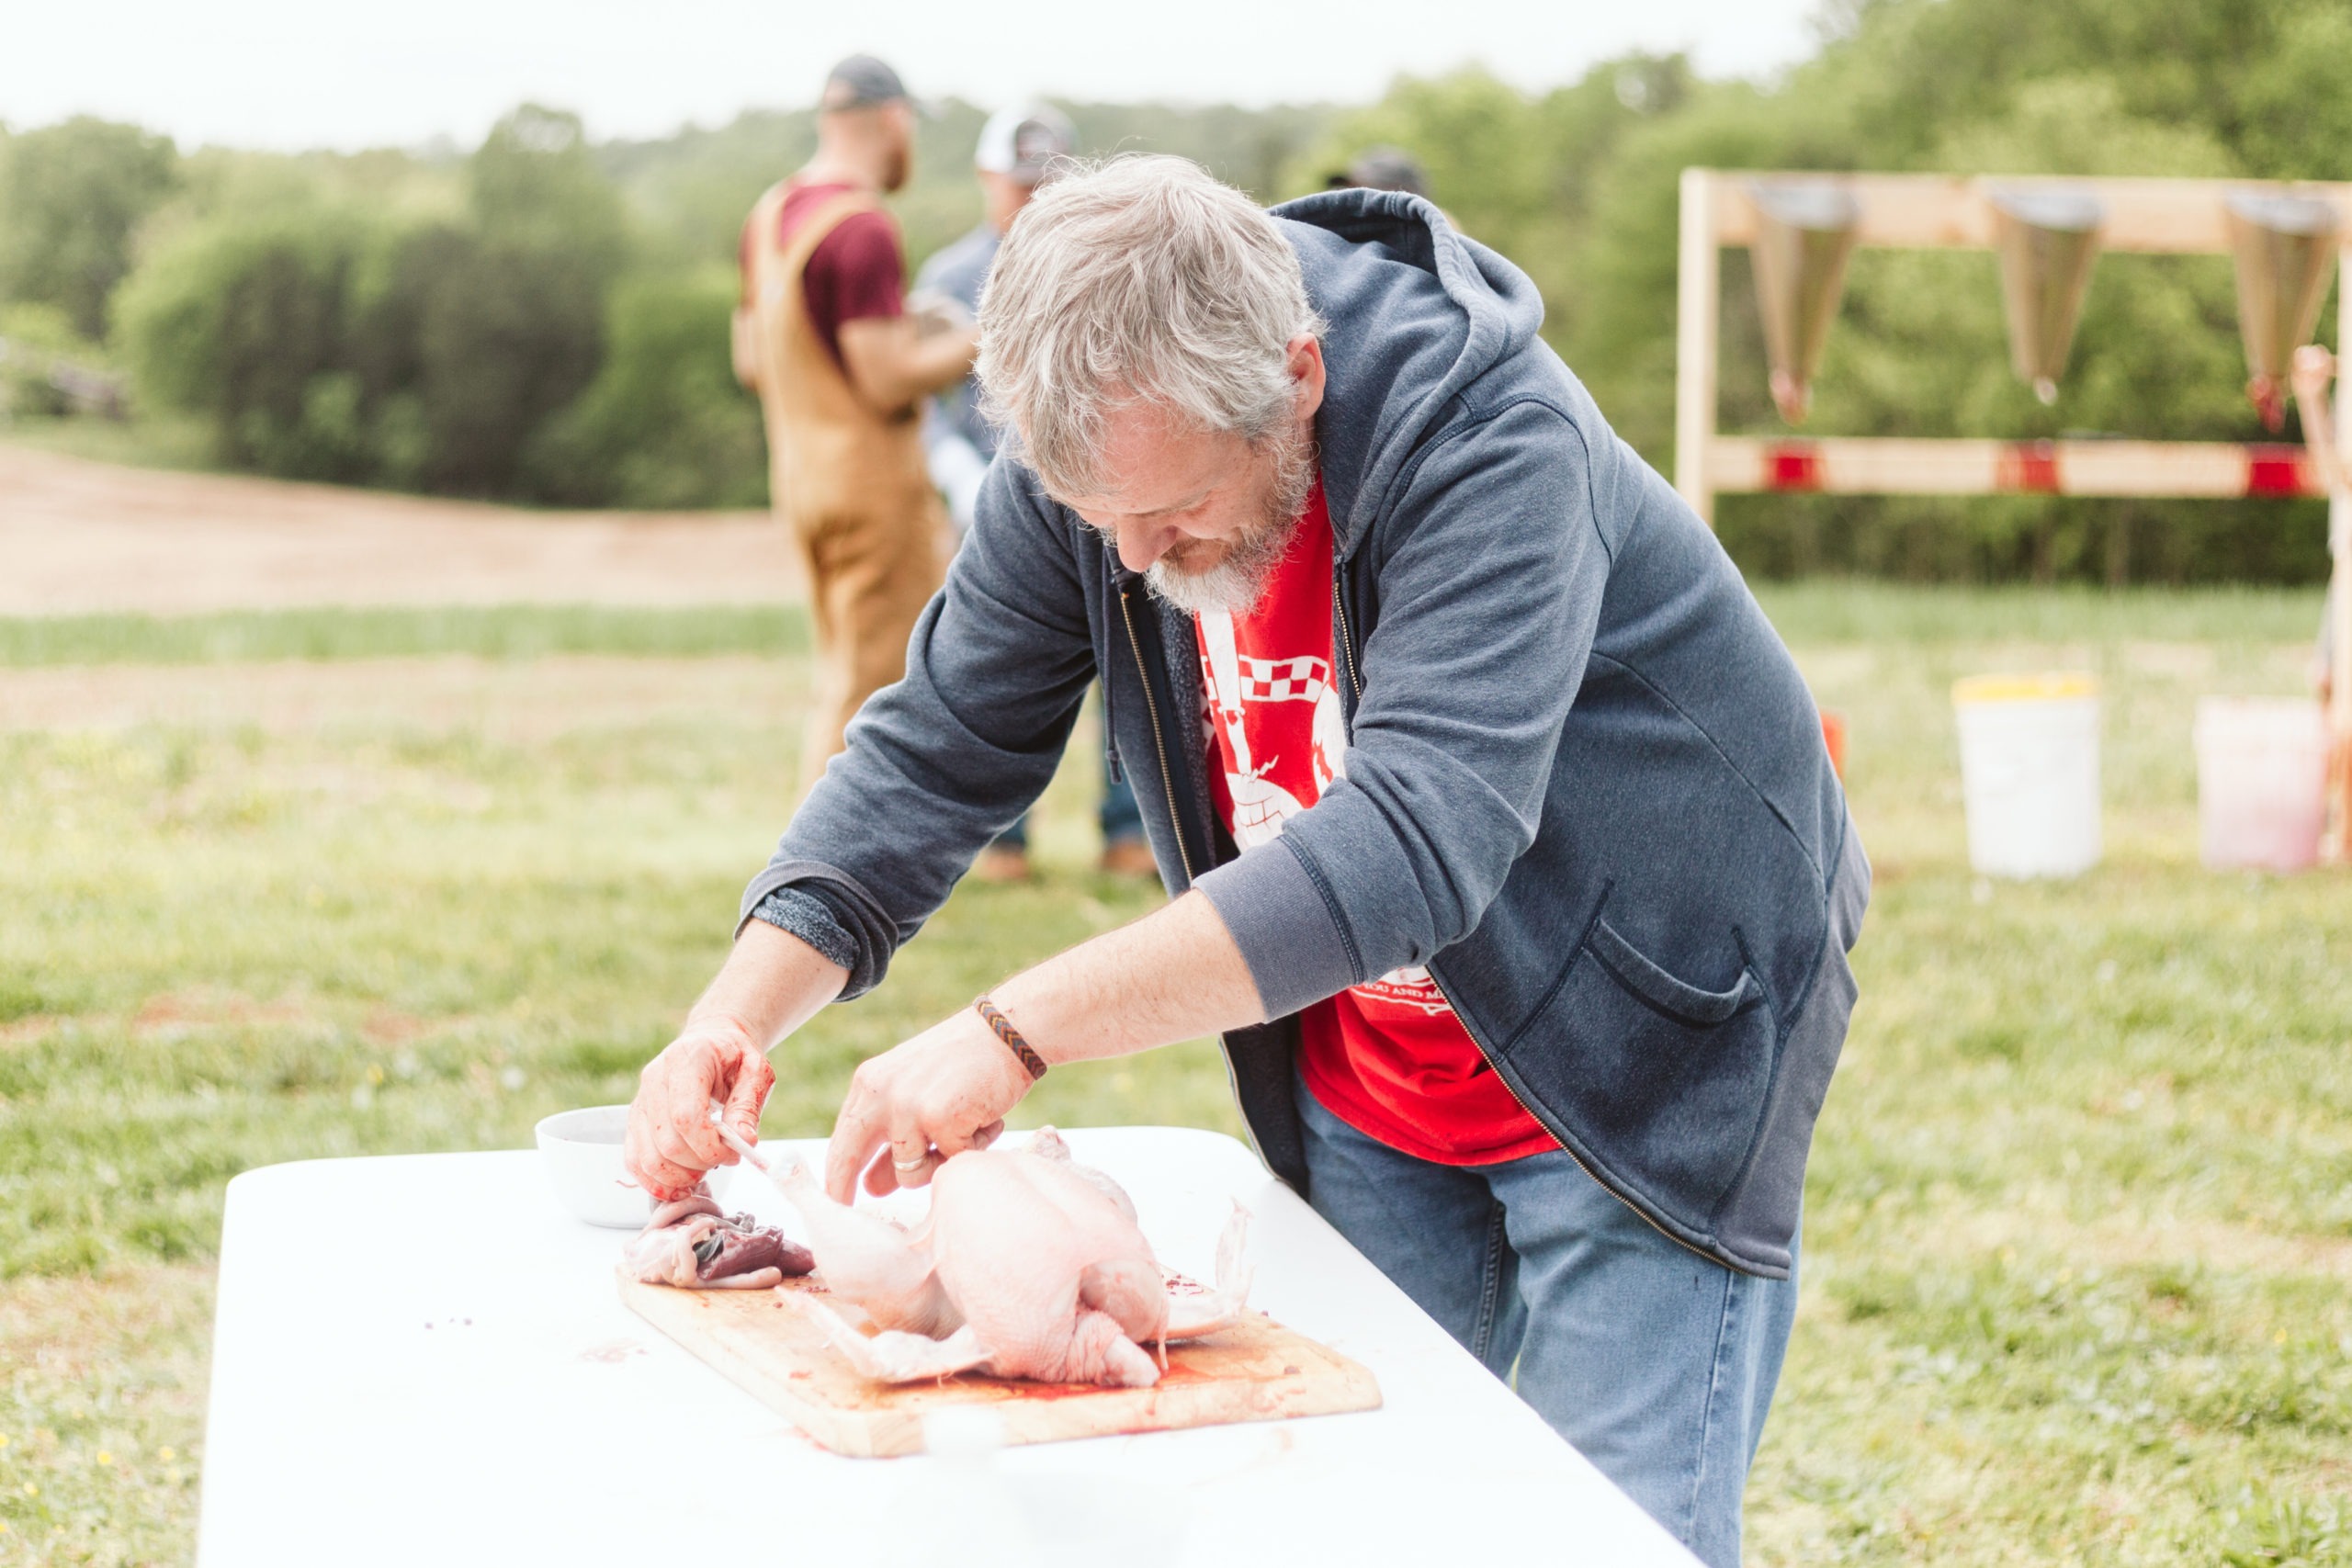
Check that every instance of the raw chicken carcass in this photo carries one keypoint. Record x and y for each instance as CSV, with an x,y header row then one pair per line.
x,y
690,1243
1028,1266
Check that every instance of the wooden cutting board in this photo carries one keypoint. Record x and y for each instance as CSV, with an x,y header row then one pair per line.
x,y
1255,1371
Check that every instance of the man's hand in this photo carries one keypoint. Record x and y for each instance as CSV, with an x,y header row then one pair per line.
x,y
891,360
947,1089
671,1142
2312,369
1173,975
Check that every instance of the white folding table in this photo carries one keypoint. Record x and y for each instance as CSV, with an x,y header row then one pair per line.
x,y
423,1358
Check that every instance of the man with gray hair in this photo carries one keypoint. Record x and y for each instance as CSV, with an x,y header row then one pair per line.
x,y
1511,870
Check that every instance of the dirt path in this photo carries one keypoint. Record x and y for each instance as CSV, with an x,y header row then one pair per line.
x,y
78,537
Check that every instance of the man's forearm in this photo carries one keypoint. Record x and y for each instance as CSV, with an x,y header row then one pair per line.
x,y
940,360
1174,975
890,363
771,983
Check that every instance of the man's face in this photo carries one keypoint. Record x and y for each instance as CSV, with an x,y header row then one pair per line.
x,y
1002,197
899,133
1206,516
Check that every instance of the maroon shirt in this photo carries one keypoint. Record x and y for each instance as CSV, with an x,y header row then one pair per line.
x,y
856,272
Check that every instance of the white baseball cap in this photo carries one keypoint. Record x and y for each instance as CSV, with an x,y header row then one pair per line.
x,y
1022,141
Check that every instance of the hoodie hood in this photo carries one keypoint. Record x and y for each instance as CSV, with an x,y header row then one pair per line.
x,y
1417,313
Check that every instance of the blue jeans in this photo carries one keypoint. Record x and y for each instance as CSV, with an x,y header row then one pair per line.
x,y
1656,1363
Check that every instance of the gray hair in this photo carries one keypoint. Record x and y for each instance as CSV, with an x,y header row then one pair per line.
x,y
1139,279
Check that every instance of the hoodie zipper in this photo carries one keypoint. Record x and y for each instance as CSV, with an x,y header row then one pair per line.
x,y
1158,741
1355,682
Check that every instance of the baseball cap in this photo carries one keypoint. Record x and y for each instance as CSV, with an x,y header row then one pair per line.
x,y
1021,141
1385,168
860,82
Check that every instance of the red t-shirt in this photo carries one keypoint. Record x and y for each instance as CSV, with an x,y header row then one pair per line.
x,y
856,273
1389,1058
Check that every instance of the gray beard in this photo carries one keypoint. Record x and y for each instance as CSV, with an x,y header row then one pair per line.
x,y
1236,582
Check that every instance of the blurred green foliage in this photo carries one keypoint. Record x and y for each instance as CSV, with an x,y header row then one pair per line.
x,y
663,425
325,339
71,196
33,337
541,321
1580,187
544,319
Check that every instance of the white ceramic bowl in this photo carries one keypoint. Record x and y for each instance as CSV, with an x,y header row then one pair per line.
x,y
581,1151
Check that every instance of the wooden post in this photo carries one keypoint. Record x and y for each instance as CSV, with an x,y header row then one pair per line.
x,y
2336,846
1697,298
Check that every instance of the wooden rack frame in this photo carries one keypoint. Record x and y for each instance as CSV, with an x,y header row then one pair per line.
x,y
2168,216
1955,212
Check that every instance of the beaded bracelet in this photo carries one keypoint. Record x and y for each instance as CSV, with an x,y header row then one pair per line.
x,y
1011,1037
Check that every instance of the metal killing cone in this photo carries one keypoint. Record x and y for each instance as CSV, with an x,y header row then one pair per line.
x,y
2284,246
1805,232
2047,241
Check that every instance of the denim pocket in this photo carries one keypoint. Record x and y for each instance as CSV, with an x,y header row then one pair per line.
x,y
1663,1081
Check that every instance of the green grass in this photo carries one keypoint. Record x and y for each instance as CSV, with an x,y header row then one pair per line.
x,y
1809,613
147,442
1848,611
511,631
2079,1219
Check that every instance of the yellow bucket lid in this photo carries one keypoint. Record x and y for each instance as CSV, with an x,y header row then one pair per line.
x,y
2050,686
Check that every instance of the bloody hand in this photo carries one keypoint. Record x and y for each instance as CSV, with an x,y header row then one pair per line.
x,y
671,1142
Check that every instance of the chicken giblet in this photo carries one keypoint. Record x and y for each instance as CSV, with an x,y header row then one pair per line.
x,y
692,1243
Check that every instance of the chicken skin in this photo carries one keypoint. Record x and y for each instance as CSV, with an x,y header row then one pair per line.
x,y
1028,1266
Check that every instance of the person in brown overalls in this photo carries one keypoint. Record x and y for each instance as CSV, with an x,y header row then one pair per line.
x,y
824,337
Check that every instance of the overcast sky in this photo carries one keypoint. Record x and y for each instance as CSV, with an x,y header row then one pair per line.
x,y
292,74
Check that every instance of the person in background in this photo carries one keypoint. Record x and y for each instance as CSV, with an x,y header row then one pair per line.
x,y
1017,149
823,334
1382,168
2314,368
2324,652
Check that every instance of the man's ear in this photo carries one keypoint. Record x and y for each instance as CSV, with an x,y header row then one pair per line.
x,y
1303,357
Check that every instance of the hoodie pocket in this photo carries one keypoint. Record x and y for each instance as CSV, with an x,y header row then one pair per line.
x,y
1664,1082
1681,1003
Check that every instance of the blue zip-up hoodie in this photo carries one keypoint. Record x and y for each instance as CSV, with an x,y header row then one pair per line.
x,y
1585,784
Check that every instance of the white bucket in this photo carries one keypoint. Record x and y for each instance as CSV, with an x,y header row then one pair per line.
x,y
2028,772
2261,781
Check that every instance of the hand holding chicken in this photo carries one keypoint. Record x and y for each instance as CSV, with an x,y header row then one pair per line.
x,y
939,1094
1028,1266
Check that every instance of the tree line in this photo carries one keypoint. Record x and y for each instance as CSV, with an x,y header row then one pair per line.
x,y
543,319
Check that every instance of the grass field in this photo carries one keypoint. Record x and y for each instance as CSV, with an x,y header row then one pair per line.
x,y
2079,1230
149,442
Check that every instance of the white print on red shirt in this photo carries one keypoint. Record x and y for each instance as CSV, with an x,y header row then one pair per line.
x,y
1236,679
1267,791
